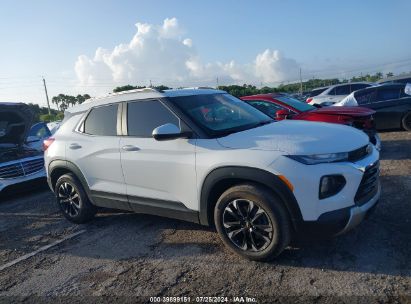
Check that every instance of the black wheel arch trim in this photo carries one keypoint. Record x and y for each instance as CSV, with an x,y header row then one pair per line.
x,y
247,174
69,166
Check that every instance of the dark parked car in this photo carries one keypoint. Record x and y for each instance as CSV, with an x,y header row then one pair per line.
x,y
390,101
21,159
405,78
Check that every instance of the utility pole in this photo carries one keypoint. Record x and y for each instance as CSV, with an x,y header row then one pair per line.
x,y
47,95
151,84
217,82
301,84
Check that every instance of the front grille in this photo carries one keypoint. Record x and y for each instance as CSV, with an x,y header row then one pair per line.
x,y
21,168
358,154
369,185
32,166
11,171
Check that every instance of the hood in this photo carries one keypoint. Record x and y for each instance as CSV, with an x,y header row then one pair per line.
x,y
298,137
15,122
349,111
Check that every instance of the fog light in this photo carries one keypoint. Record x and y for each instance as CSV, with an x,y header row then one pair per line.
x,y
331,185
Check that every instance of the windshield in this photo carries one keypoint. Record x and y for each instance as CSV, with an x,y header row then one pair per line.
x,y
221,114
296,104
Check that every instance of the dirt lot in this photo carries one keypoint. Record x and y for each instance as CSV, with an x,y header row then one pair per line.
x,y
131,257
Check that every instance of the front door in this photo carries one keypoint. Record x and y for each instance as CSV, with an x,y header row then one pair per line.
x,y
157,173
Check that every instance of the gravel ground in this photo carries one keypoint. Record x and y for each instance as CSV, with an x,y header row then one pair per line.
x,y
126,257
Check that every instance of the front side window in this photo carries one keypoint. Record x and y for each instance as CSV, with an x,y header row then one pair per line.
x,y
388,94
220,114
144,116
102,121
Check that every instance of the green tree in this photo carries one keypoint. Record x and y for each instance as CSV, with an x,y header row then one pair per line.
x,y
127,87
81,98
47,117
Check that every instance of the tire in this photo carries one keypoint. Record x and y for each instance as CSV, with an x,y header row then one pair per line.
x,y
72,200
406,122
249,235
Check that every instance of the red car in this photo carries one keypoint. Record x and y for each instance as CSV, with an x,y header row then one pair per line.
x,y
280,106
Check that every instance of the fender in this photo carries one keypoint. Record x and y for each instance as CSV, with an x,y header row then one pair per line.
x,y
244,174
59,164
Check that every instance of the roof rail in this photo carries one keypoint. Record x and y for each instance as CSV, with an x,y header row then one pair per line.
x,y
193,88
144,90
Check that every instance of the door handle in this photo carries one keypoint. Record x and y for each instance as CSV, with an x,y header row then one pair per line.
x,y
130,148
74,146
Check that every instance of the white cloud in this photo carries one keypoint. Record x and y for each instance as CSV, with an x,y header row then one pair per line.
x,y
162,54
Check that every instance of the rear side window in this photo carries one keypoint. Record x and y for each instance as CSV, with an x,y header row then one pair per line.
x,y
343,90
366,96
102,121
144,116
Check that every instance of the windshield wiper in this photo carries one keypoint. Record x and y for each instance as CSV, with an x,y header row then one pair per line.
x,y
261,123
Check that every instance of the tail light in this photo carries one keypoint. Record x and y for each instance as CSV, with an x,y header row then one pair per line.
x,y
47,143
309,100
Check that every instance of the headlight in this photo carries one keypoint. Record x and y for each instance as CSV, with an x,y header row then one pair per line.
x,y
320,158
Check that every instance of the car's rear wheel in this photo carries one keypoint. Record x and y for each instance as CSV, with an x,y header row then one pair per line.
x,y
252,222
72,200
406,121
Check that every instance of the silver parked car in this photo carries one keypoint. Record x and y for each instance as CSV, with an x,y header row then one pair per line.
x,y
336,93
21,155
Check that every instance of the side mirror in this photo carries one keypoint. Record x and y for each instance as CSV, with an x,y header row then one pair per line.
x,y
282,114
169,131
407,89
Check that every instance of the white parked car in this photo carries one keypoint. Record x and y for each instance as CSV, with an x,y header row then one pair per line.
x,y
21,157
336,93
204,156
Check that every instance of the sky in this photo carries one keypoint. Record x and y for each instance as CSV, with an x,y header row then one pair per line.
x,y
95,45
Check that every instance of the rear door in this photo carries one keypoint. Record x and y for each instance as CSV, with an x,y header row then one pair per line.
x,y
388,112
94,149
159,174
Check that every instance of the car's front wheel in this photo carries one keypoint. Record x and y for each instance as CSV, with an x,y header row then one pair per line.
x,y
406,122
252,222
72,200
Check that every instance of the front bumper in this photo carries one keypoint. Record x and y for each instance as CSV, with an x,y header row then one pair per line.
x,y
358,213
10,182
377,141
340,221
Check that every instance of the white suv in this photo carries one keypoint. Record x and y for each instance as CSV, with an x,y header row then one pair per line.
x,y
336,93
204,156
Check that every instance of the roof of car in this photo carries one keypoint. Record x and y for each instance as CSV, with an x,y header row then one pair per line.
x,y
139,94
264,95
320,88
358,82
393,78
